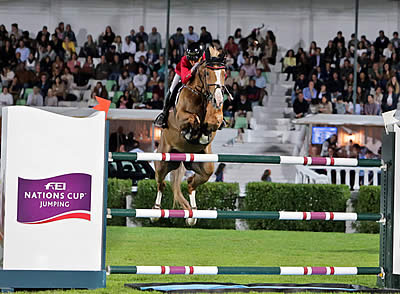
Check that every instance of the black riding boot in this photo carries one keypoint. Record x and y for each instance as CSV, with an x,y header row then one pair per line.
x,y
162,119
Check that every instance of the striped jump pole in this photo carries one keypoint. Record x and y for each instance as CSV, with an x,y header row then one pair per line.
x,y
239,158
222,214
222,270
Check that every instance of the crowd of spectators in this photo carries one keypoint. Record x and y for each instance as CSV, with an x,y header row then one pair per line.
x,y
324,80
46,67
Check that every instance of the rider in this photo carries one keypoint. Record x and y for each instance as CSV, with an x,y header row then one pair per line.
x,y
184,70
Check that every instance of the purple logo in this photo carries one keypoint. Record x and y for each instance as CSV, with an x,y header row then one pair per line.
x,y
57,198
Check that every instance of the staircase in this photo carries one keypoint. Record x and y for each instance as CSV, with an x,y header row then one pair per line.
x,y
271,135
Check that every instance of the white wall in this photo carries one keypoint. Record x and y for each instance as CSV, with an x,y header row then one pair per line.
x,y
293,21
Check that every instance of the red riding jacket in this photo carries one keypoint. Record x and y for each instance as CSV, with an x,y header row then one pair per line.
x,y
183,69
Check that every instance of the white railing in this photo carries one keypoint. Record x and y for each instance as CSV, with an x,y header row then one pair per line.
x,y
306,174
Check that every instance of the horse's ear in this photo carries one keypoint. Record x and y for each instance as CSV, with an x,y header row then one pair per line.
x,y
208,54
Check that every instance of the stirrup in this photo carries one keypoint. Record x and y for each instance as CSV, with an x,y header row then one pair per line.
x,y
161,121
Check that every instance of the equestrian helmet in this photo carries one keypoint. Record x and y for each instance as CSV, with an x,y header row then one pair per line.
x,y
194,51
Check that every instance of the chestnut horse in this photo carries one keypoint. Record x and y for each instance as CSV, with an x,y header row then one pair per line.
x,y
192,125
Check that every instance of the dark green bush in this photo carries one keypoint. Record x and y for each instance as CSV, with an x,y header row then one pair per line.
x,y
296,197
117,191
368,201
220,196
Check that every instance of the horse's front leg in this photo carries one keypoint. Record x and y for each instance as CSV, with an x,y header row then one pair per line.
x,y
188,124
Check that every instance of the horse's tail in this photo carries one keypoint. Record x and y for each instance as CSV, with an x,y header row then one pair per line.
x,y
176,179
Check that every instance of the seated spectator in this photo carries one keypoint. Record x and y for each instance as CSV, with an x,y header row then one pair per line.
x,y
88,68
124,102
133,93
140,81
15,88
289,65
44,85
140,53
244,109
316,81
231,47
375,74
7,76
300,83
154,40
128,48
68,79
310,92
6,98
389,101
388,52
59,89
371,108
340,105
153,81
100,90
335,84
228,78
102,69
155,102
242,80
254,93
73,62
131,66
395,85
346,69
191,36
106,39
118,44
323,92
300,106
23,50
115,68
69,47
124,81
35,99
325,106
357,109
261,82
70,33
378,95
51,99
248,67
89,48
331,142
229,108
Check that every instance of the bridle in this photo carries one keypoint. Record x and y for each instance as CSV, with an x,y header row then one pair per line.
x,y
205,88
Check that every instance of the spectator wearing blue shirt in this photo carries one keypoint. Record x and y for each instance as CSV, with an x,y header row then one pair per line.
x,y
24,51
310,92
191,36
261,82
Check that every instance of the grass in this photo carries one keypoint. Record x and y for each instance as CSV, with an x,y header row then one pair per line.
x,y
164,246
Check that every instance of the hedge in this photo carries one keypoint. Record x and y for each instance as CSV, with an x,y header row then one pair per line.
x,y
296,197
368,201
221,196
116,198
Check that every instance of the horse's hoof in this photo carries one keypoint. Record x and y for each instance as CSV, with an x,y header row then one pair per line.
x,y
191,221
155,219
204,139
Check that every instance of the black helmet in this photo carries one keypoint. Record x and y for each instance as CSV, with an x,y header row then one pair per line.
x,y
194,51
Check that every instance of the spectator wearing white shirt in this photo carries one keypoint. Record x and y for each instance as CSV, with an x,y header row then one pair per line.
x,y
140,81
7,76
51,99
128,47
6,98
24,51
140,53
35,99
191,36
388,51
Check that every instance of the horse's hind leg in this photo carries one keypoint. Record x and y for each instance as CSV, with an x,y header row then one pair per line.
x,y
203,171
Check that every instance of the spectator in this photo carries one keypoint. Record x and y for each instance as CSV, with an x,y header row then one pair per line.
x,y
317,59
266,177
6,98
100,91
106,39
205,36
7,76
68,79
124,80
300,107
155,102
59,89
140,53
15,88
89,48
35,99
24,51
118,44
381,42
300,83
395,85
141,36
395,41
154,40
242,80
331,142
388,52
140,81
310,92
229,108
244,109
43,33
17,32
153,81
88,69
261,82
102,69
51,99
325,106
191,36
340,105
390,99
248,67
115,68
253,93
179,40
133,93
124,102
69,47
357,109
323,92
289,65
378,95
339,38
231,47
73,63
128,48
371,108
271,50
219,173
44,84
70,33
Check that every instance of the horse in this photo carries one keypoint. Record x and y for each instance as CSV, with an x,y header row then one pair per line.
x,y
192,125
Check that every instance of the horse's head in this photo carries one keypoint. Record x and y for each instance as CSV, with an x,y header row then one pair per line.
x,y
214,76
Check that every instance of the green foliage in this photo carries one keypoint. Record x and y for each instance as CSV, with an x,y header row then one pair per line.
x,y
368,201
117,190
221,196
296,197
